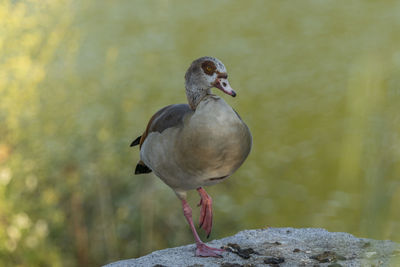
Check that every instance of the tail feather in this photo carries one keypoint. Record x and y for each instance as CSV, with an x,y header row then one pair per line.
x,y
136,141
142,168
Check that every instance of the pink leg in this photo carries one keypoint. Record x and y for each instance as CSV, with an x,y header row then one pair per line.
x,y
206,214
202,249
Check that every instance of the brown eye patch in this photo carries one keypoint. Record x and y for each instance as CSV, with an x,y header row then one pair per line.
x,y
208,67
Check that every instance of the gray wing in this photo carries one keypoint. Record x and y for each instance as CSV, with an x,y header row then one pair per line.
x,y
169,116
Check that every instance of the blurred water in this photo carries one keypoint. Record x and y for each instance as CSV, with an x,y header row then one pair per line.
x,y
317,83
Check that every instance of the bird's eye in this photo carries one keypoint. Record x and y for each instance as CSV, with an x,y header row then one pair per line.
x,y
208,67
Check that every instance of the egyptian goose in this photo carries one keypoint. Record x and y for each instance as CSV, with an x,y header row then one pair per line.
x,y
202,143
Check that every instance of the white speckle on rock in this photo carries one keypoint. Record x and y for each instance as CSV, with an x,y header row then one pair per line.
x,y
370,254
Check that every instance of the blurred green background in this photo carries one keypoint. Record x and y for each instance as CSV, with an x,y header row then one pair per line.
x,y
318,84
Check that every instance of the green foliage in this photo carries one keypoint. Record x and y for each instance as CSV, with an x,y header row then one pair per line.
x,y
317,83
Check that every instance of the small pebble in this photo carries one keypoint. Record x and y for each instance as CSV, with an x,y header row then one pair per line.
x,y
227,264
366,245
327,256
274,260
235,248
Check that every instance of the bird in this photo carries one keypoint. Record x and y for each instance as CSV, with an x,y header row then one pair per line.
x,y
202,143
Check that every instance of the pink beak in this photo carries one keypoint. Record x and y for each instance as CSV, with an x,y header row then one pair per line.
x,y
223,85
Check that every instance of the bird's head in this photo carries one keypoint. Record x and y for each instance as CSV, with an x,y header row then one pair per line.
x,y
208,72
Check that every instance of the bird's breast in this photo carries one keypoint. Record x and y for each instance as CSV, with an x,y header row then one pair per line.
x,y
214,141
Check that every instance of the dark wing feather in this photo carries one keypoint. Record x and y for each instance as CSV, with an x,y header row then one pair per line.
x,y
142,168
136,141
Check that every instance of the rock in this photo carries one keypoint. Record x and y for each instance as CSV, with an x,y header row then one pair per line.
x,y
280,247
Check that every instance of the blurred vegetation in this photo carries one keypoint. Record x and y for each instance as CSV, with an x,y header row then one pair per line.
x,y
317,83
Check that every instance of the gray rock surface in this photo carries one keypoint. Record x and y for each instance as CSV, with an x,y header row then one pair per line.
x,y
280,247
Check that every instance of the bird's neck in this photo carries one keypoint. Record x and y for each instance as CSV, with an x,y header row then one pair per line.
x,y
195,95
